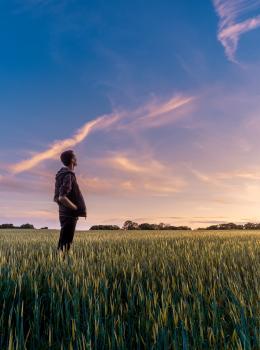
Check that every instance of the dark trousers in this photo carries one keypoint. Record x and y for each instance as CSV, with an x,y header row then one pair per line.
x,y
68,225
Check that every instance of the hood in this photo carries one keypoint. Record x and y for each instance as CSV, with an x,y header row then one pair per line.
x,y
64,170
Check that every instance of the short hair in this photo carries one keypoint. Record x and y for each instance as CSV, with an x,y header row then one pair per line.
x,y
66,157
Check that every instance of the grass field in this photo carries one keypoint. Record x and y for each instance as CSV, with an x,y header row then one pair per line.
x,y
130,290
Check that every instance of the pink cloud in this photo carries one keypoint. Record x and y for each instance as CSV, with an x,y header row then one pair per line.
x,y
230,27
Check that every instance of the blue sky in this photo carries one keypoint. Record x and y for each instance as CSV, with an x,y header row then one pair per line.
x,y
180,79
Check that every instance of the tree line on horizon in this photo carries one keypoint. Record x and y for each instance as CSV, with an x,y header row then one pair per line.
x,y
24,226
131,225
232,226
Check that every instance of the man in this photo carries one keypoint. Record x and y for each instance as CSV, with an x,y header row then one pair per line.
x,y
69,198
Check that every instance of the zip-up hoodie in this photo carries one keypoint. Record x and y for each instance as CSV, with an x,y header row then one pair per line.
x,y
74,195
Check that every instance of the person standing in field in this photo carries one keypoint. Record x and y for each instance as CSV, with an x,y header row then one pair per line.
x,y
69,199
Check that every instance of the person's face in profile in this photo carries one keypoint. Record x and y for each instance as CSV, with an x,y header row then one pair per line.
x,y
74,160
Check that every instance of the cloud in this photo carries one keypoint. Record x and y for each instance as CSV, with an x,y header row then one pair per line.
x,y
139,163
29,214
158,113
58,146
253,175
152,114
117,174
168,106
211,180
140,175
26,185
232,24
218,177
159,185
136,174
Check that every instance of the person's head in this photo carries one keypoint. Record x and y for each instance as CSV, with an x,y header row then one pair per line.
x,y
68,158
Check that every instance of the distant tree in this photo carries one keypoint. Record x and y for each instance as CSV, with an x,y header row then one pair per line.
x,y
44,228
213,227
130,225
251,226
7,226
183,228
171,227
104,227
161,225
154,226
27,226
228,226
239,227
146,226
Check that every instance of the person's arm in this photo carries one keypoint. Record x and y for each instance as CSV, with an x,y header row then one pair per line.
x,y
65,201
64,190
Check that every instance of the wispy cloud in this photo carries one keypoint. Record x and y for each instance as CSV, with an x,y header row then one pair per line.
x,y
162,187
140,163
203,177
236,18
58,146
136,174
151,115
217,177
12,184
175,102
158,113
253,175
125,175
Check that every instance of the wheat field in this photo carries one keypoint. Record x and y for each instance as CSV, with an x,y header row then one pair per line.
x,y
130,290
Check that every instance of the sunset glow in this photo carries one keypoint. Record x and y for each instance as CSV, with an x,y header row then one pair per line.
x,y
164,119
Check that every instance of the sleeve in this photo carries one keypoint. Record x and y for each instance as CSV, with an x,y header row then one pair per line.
x,y
66,185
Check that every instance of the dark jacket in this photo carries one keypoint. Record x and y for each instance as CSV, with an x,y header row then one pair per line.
x,y
66,184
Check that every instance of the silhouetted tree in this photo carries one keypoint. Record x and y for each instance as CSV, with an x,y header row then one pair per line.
x,y
7,226
104,227
228,226
146,226
251,226
27,226
130,225
171,227
161,225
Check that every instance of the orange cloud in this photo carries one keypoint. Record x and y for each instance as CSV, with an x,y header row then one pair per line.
x,y
218,178
137,174
28,214
144,164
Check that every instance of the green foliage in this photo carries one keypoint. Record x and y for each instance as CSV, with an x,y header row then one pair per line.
x,y
104,227
130,225
23,226
122,290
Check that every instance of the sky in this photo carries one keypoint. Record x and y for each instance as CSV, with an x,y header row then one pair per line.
x,y
160,101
